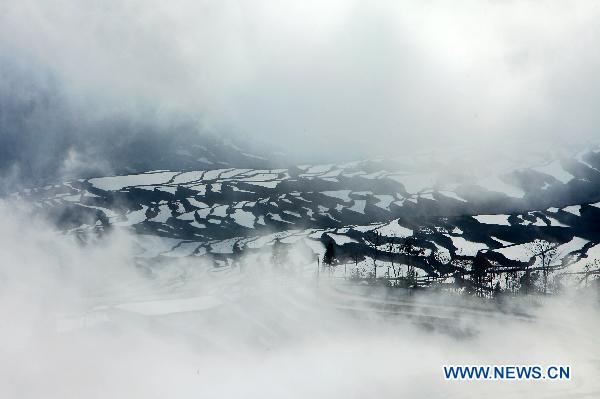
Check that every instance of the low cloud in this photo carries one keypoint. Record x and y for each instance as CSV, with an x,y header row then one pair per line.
x,y
76,324
325,79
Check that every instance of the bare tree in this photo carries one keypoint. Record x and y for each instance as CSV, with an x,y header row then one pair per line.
x,y
329,257
237,255
461,268
497,291
318,267
375,248
392,253
547,253
410,248
479,274
591,268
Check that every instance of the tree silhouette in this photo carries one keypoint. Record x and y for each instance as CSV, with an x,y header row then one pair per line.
x,y
497,290
329,258
375,247
410,248
591,268
479,273
355,255
547,253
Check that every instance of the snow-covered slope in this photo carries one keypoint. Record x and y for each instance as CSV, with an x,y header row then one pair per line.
x,y
367,208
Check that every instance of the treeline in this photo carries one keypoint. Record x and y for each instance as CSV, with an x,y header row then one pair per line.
x,y
406,263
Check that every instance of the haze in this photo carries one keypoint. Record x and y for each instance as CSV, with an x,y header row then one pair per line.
x,y
334,78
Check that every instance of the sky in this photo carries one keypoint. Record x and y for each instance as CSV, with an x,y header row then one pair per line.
x,y
78,79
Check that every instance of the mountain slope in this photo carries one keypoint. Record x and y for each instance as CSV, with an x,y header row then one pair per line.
x,y
369,209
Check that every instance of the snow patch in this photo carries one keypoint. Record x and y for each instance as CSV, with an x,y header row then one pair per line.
x,y
115,183
465,247
341,239
499,219
358,206
394,229
573,209
339,194
243,218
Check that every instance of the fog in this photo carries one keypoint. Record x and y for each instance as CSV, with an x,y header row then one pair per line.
x,y
98,87
317,79
67,333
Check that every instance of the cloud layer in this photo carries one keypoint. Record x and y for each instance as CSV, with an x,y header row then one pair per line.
x,y
320,77
72,327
